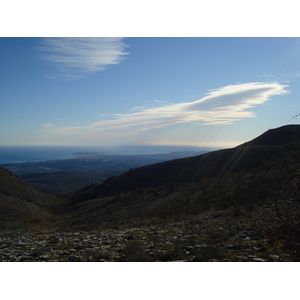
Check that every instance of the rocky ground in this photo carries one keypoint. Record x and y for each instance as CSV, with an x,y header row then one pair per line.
x,y
211,237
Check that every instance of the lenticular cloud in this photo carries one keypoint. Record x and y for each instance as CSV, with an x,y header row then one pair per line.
x,y
233,102
222,106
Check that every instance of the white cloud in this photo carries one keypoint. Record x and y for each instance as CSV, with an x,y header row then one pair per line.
x,y
48,125
267,76
79,57
160,101
221,106
140,108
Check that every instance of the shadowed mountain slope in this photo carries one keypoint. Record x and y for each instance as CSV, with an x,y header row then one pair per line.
x,y
20,203
273,145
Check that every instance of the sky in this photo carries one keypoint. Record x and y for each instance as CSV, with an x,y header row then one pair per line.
x,y
187,91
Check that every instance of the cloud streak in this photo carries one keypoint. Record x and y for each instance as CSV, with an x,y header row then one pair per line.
x,y
222,106
79,57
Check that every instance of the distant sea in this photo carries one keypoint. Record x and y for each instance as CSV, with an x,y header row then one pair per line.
x,y
20,154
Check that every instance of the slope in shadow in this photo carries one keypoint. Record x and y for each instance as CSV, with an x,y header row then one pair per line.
x,y
267,147
21,204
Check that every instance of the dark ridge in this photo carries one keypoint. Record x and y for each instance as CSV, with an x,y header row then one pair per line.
x,y
265,148
278,136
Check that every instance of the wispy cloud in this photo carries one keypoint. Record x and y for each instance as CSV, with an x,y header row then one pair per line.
x,y
48,125
79,57
160,101
221,106
266,76
138,108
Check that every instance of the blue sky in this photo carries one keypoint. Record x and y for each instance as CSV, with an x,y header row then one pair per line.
x,y
215,92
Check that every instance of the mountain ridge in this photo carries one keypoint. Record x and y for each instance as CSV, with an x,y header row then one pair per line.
x,y
266,147
278,136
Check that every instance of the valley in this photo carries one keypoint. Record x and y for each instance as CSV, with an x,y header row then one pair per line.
x,y
233,205
65,176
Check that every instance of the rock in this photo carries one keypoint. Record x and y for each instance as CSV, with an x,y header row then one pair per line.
x,y
24,258
275,257
258,259
233,247
189,248
43,257
80,247
263,249
74,258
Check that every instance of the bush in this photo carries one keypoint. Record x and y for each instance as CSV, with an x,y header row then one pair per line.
x,y
284,237
208,253
134,251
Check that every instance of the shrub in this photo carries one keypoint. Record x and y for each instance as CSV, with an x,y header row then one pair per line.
x,y
208,253
134,251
